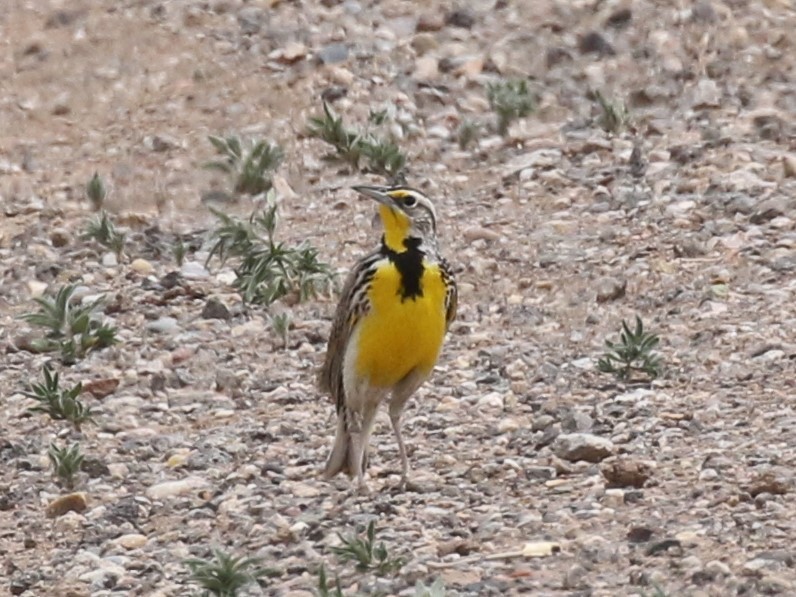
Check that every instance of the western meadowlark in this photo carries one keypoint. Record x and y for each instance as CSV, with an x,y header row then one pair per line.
x,y
395,310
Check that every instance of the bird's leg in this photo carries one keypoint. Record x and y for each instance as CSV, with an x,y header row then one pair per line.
x,y
395,419
361,446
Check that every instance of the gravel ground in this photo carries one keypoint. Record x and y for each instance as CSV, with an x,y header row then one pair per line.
x,y
537,474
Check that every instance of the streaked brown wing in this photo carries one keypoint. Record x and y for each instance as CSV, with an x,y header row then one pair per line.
x,y
352,307
451,294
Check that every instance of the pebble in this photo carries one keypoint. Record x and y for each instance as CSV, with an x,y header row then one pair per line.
x,y
215,309
610,289
194,270
333,53
142,266
163,325
110,259
582,446
169,489
132,541
72,502
490,401
473,233
36,288
59,237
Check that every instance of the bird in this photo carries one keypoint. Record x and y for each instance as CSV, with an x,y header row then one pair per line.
x,y
395,309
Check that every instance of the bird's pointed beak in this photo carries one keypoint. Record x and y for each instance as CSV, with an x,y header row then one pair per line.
x,y
375,193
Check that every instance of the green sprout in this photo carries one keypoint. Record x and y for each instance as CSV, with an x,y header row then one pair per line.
x,y
66,463
96,192
632,354
71,328
60,405
614,116
268,269
250,168
102,230
366,555
510,100
225,575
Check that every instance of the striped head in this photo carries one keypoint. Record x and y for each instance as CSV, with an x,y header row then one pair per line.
x,y
408,217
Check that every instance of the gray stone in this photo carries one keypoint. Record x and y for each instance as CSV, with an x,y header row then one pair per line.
x,y
582,446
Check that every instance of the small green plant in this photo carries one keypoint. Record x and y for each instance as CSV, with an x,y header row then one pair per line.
x,y
225,575
268,269
366,554
437,589
71,329
632,354
179,251
378,117
467,133
510,100
614,116
66,463
96,192
324,590
102,230
60,405
330,128
281,323
251,168
383,155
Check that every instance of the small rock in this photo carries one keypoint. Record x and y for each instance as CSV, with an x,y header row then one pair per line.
x,y
304,490
788,167
333,93
619,18
703,12
430,22
582,446
169,489
717,569
706,94
460,18
193,270
290,54
480,233
110,260
215,309
36,288
574,577
626,472
59,237
492,400
639,534
163,325
333,53
610,289
142,266
132,541
72,502
594,43
540,549
596,549
423,43
250,19
708,474
769,209
769,482
556,55
755,567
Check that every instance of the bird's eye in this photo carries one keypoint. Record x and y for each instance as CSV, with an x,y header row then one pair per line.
x,y
410,201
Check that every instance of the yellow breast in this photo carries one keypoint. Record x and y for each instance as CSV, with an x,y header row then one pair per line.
x,y
398,335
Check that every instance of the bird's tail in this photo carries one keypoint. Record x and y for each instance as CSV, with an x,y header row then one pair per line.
x,y
343,455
